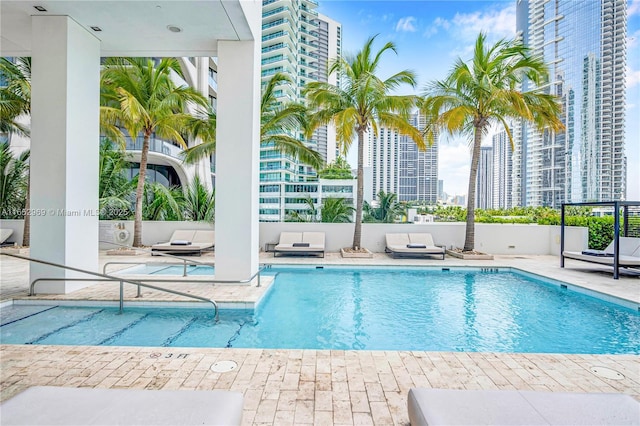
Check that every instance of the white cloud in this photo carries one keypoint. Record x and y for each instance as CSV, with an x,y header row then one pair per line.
x,y
434,28
633,8
407,24
633,77
498,23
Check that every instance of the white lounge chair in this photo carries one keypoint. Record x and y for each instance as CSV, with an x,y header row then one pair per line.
x,y
187,241
93,406
412,244
5,234
629,254
300,243
512,407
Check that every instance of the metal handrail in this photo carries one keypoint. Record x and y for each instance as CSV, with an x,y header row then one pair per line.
x,y
185,261
122,281
153,253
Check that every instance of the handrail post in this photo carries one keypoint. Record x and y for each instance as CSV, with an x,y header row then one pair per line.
x,y
139,295
258,278
121,295
184,273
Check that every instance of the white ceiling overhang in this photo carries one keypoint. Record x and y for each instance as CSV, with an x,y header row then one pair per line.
x,y
133,28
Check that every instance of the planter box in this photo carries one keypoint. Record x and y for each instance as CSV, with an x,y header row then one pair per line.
x,y
15,250
119,252
470,256
348,254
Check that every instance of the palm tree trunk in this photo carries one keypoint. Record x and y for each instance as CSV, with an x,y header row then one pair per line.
x,y
137,224
357,232
26,227
470,234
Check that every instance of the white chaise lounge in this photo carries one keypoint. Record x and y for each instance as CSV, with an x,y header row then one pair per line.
x,y
512,407
629,254
5,234
412,244
300,243
187,241
50,405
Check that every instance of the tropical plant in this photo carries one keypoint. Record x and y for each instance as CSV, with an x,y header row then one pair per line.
x,y
474,96
278,122
14,172
139,96
336,210
115,190
199,203
15,94
162,203
339,169
387,211
362,103
309,215
15,102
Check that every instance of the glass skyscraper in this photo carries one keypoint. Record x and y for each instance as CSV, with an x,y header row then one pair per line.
x,y
584,45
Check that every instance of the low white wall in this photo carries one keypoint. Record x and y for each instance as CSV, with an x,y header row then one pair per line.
x,y
490,238
152,231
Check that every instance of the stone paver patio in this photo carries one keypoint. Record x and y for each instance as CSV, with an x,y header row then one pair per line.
x,y
317,386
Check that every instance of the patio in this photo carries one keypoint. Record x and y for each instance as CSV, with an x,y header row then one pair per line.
x,y
319,386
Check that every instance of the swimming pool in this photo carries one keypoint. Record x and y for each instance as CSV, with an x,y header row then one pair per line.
x,y
472,310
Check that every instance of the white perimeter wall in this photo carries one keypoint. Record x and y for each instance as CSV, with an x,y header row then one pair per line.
x,y
490,238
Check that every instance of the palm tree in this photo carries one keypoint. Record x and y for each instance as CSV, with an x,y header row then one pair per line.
x,y
476,95
114,189
336,210
15,102
15,95
310,215
14,173
278,122
199,203
387,211
362,104
161,203
138,95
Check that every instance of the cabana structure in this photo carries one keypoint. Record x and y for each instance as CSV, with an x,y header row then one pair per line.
x,y
626,217
66,40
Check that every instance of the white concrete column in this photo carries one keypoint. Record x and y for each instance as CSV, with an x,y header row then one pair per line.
x,y
237,158
64,149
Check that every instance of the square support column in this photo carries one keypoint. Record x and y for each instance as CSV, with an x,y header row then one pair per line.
x,y
237,160
64,150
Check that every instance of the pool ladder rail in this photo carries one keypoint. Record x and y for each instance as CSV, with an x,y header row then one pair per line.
x,y
105,277
185,262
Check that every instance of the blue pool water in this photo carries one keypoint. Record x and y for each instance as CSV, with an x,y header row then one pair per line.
x,y
375,309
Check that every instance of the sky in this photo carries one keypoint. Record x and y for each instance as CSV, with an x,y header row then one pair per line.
x,y
431,34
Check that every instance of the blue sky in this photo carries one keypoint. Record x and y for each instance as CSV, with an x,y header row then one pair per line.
x,y
431,34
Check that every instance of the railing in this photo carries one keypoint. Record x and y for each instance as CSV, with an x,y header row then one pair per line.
x,y
106,278
184,260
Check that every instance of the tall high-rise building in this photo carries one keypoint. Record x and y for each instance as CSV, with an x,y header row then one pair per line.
x,y
400,167
299,43
584,45
502,170
484,179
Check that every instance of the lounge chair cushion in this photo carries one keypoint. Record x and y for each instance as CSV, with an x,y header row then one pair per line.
x,y
629,253
300,242
412,243
48,405
512,407
187,241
